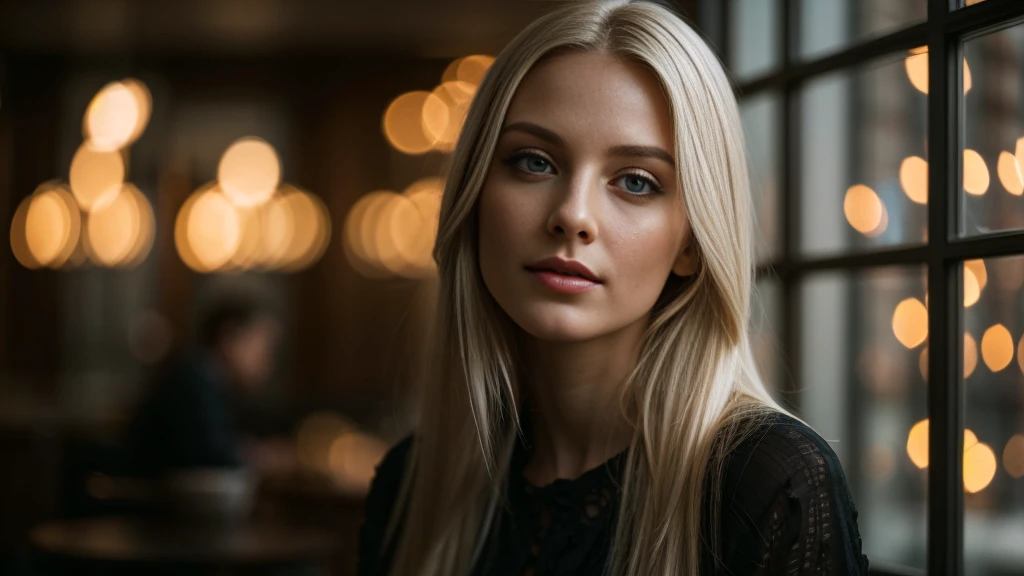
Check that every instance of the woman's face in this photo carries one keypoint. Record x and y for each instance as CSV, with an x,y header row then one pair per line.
x,y
581,220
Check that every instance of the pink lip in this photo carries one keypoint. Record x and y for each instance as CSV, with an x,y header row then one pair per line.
x,y
566,276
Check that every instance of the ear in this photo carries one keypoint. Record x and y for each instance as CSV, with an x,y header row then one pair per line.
x,y
686,261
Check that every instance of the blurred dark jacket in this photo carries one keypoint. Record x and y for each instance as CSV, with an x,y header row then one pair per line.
x,y
184,421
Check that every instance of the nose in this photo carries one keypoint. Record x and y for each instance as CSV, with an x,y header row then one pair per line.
x,y
574,214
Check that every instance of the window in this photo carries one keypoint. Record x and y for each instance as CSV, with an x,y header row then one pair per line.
x,y
886,146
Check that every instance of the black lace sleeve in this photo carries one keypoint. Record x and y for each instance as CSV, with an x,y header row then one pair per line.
x,y
786,508
374,559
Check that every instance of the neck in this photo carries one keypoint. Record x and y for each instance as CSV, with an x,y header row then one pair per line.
x,y
574,398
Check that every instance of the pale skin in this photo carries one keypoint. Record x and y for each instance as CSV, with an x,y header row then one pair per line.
x,y
584,170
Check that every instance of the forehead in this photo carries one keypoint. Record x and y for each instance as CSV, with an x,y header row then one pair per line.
x,y
593,97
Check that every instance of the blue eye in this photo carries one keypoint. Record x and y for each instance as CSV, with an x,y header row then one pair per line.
x,y
637,185
532,164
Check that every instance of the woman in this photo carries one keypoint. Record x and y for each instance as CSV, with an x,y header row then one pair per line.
x,y
592,405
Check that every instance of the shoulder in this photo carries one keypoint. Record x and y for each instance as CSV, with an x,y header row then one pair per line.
x,y
784,498
780,452
390,472
374,552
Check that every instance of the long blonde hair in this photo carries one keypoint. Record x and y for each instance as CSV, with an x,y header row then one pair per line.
x,y
695,389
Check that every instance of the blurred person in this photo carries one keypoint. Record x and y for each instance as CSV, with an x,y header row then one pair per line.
x,y
185,421
592,405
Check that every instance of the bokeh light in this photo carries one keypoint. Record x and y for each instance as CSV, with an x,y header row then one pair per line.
x,y
917,70
389,234
117,115
96,176
19,241
207,230
121,233
863,208
404,121
979,467
979,462
972,288
249,172
910,322
51,226
352,459
970,354
914,179
997,347
314,437
1013,456
976,177
311,224
980,272
1010,176
917,444
456,97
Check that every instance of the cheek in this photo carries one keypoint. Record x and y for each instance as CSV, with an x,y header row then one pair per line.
x,y
644,251
506,218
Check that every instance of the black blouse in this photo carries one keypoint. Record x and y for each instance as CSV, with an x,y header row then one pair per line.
x,y
785,509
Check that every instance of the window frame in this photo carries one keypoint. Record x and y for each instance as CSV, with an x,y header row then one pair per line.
x,y
944,31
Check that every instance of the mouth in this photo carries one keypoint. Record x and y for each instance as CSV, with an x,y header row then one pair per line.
x,y
567,268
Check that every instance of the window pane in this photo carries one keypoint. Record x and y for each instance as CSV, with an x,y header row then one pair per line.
x,y
827,26
862,338
863,180
993,155
962,3
753,37
765,332
760,115
993,457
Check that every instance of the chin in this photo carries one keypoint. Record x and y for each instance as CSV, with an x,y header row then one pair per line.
x,y
556,323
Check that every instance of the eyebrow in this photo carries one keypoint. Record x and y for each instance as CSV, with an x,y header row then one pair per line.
x,y
631,151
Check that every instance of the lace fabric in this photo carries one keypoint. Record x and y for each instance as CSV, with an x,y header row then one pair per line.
x,y
784,510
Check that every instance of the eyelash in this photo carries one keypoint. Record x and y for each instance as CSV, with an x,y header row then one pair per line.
x,y
513,160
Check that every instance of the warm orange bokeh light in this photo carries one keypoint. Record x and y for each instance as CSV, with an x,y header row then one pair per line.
x,y
1010,175
970,355
1020,354
95,176
352,459
972,291
425,194
456,97
121,233
311,229
355,241
113,117
404,122
393,234
1013,456
249,172
977,267
863,209
471,69
914,179
979,462
314,437
207,231
997,348
917,444
910,322
49,227
979,467
917,70
976,177
19,242
113,230
398,229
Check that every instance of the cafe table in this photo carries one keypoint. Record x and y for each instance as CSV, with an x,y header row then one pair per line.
x,y
142,542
